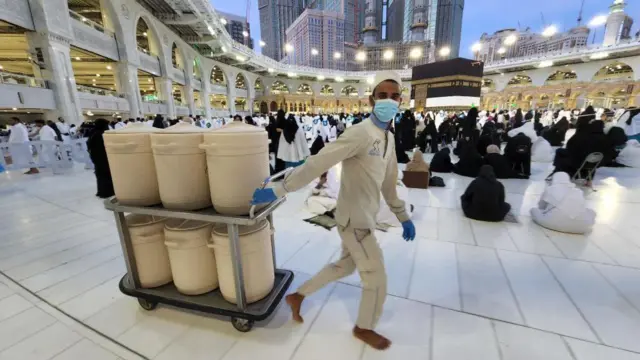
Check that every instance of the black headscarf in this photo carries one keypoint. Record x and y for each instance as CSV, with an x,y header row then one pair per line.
x,y
55,129
484,197
290,129
158,122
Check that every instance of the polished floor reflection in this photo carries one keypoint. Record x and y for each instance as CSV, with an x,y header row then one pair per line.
x,y
463,290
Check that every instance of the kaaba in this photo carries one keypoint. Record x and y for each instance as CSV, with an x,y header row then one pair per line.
x,y
446,85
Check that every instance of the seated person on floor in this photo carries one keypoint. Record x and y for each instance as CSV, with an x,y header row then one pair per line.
x,y
630,122
541,151
562,207
518,153
324,197
470,161
441,161
500,165
556,133
630,154
484,198
589,138
416,172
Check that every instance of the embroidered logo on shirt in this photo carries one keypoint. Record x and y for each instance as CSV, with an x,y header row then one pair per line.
x,y
376,148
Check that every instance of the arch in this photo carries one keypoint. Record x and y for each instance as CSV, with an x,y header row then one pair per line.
x,y
258,85
368,91
616,70
304,89
218,77
241,82
273,106
278,87
520,80
488,84
263,107
327,90
177,58
147,39
561,76
405,91
349,91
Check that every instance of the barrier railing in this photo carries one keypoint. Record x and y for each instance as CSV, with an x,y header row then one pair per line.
x,y
16,79
91,23
98,91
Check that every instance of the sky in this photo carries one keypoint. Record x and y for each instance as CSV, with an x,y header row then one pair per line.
x,y
488,16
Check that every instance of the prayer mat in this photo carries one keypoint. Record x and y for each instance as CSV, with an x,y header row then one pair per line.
x,y
324,220
511,218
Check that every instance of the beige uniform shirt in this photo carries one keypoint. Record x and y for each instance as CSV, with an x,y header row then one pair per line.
x,y
367,169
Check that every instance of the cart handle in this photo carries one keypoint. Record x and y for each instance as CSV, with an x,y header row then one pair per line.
x,y
264,184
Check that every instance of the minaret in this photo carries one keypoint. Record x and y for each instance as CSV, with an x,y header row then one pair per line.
x,y
370,31
615,21
419,20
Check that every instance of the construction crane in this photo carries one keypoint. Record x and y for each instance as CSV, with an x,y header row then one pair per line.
x,y
248,10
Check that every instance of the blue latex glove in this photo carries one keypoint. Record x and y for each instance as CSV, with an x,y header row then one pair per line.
x,y
409,230
263,196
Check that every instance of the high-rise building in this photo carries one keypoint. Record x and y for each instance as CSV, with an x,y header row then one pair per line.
x,y
390,55
317,39
275,17
618,26
449,25
348,8
238,28
395,20
510,43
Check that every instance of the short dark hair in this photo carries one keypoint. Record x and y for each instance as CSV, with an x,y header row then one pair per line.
x,y
373,93
15,119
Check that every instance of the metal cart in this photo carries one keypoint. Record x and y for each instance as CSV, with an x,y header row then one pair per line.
x,y
242,315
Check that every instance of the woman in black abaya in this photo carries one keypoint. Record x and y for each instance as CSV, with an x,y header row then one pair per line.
x,y
484,199
470,161
98,154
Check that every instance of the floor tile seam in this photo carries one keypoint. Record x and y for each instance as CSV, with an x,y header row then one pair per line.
x,y
43,236
74,319
511,291
28,337
496,340
617,290
67,262
60,206
49,255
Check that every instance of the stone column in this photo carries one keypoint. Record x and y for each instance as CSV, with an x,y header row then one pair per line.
x,y
165,90
204,97
127,84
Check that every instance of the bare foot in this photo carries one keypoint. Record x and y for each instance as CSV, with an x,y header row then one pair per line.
x,y
295,302
372,338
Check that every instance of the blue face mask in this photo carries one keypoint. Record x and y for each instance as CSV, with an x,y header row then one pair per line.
x,y
385,109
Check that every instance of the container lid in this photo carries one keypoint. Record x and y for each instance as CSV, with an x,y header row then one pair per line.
x,y
134,128
134,220
222,230
236,127
185,225
183,127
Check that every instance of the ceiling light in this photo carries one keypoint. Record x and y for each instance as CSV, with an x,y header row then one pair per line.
x,y
97,75
288,47
262,43
314,52
599,55
223,21
108,67
223,48
387,54
78,58
511,39
502,50
148,80
270,70
598,20
94,80
211,31
415,53
240,58
14,109
337,55
370,80
320,77
476,47
546,63
445,51
144,33
339,79
550,31
84,19
245,34
1,67
361,56
618,67
292,74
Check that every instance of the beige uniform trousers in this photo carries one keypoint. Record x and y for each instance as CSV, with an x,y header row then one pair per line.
x,y
360,250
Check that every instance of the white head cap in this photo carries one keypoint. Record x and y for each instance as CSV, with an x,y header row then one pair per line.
x,y
383,76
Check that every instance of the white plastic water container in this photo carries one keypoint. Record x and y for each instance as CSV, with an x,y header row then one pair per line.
x,y
193,264
152,259
257,261
132,166
181,167
237,163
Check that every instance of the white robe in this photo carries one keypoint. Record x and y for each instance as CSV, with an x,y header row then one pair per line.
x,y
297,151
541,151
64,129
46,133
19,134
562,207
120,125
630,155
527,129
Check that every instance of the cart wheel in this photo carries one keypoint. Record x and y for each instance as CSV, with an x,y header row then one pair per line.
x,y
147,305
242,325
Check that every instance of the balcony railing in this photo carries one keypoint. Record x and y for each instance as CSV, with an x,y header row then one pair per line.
x,y
91,23
16,79
98,91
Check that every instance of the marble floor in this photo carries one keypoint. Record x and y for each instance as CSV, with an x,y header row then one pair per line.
x,y
463,290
